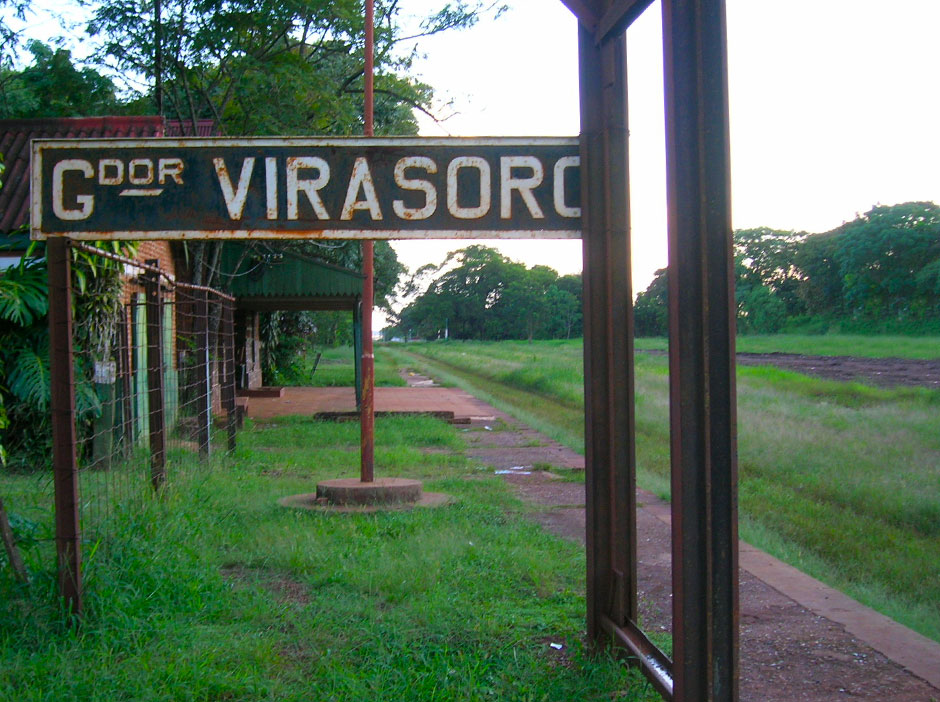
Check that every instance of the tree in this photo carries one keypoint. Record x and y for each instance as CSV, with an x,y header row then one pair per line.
x,y
651,308
818,261
565,314
270,67
882,258
9,41
760,311
478,293
52,86
765,258
524,303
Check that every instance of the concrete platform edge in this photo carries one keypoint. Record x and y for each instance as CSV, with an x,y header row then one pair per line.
x,y
913,651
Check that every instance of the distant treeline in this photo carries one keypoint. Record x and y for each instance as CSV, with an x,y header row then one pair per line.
x,y
879,273
477,293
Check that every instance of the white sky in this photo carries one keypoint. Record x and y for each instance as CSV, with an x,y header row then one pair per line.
x,y
834,108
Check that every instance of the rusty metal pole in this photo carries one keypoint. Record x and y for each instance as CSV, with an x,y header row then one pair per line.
x,y
155,380
64,460
367,413
701,353
203,374
610,462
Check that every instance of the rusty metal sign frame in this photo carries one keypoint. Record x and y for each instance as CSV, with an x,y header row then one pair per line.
x,y
705,663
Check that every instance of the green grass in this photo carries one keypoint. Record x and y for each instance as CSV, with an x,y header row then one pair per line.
x,y
840,479
337,369
214,592
881,346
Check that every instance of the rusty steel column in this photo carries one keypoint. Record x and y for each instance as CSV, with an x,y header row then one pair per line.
x,y
64,460
203,373
701,353
367,410
155,381
228,372
610,463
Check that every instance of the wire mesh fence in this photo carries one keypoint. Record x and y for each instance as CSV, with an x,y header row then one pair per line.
x,y
153,383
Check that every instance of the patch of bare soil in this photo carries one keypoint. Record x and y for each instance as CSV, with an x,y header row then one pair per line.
x,y
282,587
883,372
788,653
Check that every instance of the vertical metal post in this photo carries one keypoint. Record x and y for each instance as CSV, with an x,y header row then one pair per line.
x,y
610,461
228,372
701,353
155,390
367,413
203,373
64,461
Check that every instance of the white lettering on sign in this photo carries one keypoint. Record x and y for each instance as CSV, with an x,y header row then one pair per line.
x,y
361,179
86,203
309,187
140,171
170,168
483,168
106,166
270,187
561,206
234,197
524,186
405,183
111,172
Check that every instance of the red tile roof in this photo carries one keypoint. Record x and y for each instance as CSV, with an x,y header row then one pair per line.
x,y
15,135
184,128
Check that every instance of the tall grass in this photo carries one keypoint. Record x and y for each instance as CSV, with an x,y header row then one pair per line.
x,y
336,368
839,479
215,592
881,346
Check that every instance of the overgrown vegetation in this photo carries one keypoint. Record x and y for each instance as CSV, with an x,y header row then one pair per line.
x,y
24,346
477,293
838,479
879,273
335,368
215,592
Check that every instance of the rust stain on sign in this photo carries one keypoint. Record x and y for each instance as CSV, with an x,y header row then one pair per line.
x,y
306,188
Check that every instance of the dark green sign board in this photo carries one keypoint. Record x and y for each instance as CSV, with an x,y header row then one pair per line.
x,y
408,188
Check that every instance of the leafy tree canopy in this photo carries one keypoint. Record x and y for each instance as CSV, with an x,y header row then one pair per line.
x,y
53,86
269,67
478,293
879,272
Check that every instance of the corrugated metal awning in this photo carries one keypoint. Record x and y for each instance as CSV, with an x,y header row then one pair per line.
x,y
264,277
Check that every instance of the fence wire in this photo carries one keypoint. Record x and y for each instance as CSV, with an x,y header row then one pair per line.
x,y
154,393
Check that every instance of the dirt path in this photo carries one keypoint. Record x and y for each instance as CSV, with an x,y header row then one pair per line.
x,y
797,640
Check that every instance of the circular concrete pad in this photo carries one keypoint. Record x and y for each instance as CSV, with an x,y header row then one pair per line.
x,y
310,501
352,492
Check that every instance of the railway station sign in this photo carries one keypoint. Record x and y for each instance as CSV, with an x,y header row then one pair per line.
x,y
402,188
